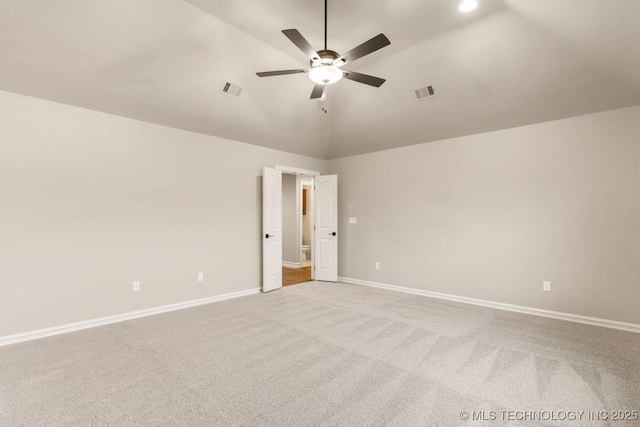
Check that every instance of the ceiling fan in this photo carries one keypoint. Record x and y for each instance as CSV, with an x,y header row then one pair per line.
x,y
326,64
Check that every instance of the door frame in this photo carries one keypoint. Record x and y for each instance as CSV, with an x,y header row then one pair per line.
x,y
297,171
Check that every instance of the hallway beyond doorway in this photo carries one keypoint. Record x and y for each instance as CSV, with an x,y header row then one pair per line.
x,y
295,276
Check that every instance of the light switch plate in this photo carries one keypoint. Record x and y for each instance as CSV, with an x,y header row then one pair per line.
x,y
353,220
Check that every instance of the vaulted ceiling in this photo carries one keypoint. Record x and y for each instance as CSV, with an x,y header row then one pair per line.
x,y
508,63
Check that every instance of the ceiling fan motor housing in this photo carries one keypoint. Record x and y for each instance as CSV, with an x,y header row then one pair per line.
x,y
326,58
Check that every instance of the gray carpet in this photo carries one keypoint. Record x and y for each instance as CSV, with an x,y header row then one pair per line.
x,y
320,354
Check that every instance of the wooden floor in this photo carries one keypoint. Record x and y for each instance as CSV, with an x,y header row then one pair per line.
x,y
294,276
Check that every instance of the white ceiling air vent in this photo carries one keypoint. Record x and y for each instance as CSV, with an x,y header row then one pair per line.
x,y
423,93
231,89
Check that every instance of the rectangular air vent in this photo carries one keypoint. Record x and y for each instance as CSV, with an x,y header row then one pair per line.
x,y
231,89
423,93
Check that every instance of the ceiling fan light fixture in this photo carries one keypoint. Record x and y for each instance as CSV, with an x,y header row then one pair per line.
x,y
468,5
326,63
325,74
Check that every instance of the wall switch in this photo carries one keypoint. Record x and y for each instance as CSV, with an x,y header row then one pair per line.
x,y
136,285
377,266
353,220
200,277
546,286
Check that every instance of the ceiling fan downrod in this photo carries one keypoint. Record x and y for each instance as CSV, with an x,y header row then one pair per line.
x,y
325,24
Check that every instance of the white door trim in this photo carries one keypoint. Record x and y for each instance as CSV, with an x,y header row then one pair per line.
x,y
297,171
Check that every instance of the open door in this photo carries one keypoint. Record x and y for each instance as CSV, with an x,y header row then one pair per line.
x,y
271,229
326,233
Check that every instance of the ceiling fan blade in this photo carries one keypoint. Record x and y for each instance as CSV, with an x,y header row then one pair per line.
x,y
302,43
363,78
280,73
317,91
370,46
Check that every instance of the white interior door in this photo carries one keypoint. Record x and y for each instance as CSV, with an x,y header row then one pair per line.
x,y
271,229
326,233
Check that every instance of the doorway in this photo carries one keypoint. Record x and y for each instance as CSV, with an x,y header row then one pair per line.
x,y
295,267
296,220
283,249
306,246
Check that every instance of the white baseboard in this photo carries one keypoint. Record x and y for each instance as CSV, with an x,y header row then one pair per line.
x,y
631,327
71,327
291,264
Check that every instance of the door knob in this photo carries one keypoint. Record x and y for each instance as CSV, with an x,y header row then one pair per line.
x,y
333,234
266,236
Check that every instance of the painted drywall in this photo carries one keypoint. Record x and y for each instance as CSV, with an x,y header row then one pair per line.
x,y
290,220
492,216
90,202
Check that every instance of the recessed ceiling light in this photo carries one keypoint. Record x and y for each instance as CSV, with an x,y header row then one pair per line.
x,y
468,5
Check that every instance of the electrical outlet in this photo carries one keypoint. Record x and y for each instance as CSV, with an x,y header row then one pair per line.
x,y
546,286
200,277
377,266
136,285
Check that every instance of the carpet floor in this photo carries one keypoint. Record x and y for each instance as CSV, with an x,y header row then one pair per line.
x,y
322,354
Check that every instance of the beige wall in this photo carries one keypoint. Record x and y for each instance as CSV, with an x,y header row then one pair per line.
x,y
290,220
491,216
90,202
